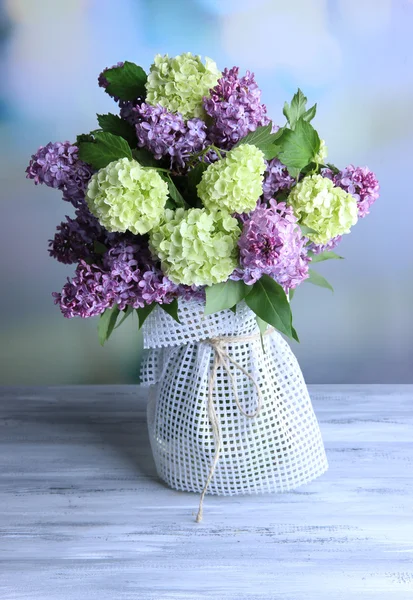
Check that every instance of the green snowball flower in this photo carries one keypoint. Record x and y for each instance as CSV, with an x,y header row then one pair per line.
x,y
327,209
321,155
235,182
124,196
197,247
179,84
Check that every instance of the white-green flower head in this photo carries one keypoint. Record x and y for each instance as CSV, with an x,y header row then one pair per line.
x,y
235,182
327,209
126,197
321,155
197,247
179,84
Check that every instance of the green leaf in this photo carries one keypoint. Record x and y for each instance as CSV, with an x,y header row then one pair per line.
x,y
195,174
144,312
291,293
175,194
310,113
114,124
296,109
129,310
107,322
298,147
99,248
171,309
268,301
317,279
327,255
294,335
224,295
305,230
105,149
263,139
262,325
84,137
144,157
126,82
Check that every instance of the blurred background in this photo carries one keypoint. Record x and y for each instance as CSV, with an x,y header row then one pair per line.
x,y
353,57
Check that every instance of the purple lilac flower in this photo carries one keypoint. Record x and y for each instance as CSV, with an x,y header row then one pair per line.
x,y
276,179
362,184
167,134
88,294
58,166
129,111
128,276
319,248
235,106
272,243
75,238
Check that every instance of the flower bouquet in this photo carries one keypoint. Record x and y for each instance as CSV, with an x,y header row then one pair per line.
x,y
200,216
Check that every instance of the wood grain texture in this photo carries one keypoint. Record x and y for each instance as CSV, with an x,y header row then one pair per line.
x,y
83,515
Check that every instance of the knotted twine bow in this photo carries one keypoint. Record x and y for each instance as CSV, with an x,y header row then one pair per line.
x,y
224,360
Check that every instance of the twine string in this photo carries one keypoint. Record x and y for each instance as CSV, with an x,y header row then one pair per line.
x,y
223,359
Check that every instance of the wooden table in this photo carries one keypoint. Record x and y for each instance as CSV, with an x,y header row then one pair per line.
x,y
84,516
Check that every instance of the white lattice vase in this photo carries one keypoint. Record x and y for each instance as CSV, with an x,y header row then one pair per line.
x,y
278,450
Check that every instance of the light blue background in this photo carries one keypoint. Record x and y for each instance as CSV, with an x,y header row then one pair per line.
x,y
353,57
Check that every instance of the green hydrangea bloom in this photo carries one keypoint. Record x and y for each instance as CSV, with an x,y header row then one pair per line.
x,y
235,182
321,155
124,196
196,247
180,83
327,209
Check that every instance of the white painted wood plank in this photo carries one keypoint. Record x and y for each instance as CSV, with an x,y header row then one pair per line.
x,y
83,514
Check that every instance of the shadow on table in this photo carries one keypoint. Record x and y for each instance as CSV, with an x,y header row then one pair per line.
x,y
114,422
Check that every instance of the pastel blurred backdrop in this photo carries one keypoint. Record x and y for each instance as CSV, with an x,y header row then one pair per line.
x,y
354,57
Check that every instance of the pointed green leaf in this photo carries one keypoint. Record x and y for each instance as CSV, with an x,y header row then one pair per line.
x,y
117,126
105,149
126,314
144,312
99,248
294,335
305,230
107,322
310,113
327,255
318,279
296,109
291,293
298,147
144,157
268,301
126,82
224,295
262,325
175,194
263,139
171,309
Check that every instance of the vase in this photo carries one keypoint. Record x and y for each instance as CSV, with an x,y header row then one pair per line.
x,y
228,408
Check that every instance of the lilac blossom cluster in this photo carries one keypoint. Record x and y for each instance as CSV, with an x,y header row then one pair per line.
x,y
58,166
235,106
167,134
127,276
75,239
358,181
271,243
276,179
